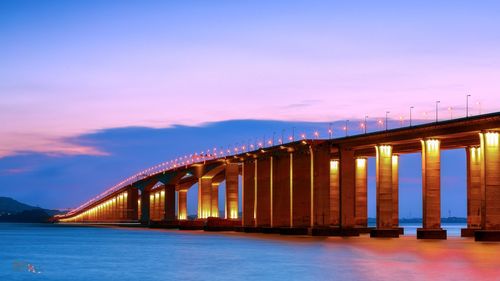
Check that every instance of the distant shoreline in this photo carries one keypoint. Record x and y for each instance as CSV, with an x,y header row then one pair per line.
x,y
419,220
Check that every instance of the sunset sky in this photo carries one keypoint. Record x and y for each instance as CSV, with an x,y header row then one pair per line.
x,y
92,91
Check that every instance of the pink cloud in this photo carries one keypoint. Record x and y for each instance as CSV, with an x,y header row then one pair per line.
x,y
14,144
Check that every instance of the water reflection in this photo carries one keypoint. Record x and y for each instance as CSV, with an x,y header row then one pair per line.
x,y
86,253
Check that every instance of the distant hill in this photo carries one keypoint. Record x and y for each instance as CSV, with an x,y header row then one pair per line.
x,y
15,211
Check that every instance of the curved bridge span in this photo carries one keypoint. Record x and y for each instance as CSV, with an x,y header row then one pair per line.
x,y
314,187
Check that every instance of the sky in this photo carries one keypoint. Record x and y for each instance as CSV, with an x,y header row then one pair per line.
x,y
92,91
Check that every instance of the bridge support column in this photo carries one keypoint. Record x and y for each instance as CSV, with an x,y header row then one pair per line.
x,y
214,200
249,171
182,205
385,205
301,189
490,188
361,211
342,194
320,180
145,207
232,173
334,193
431,193
131,200
281,190
169,203
473,155
204,197
156,204
395,193
264,191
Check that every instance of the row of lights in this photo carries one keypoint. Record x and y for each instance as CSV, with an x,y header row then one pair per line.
x,y
122,197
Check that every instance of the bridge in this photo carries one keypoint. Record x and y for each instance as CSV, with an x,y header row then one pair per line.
x,y
313,186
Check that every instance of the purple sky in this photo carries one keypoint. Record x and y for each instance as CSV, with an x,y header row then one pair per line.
x,y
73,68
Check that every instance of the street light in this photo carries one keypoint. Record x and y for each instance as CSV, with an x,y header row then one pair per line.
x,y
411,107
437,102
450,109
366,116
330,132
467,106
380,124
386,113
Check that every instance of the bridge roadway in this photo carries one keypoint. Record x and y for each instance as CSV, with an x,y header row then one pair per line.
x,y
316,187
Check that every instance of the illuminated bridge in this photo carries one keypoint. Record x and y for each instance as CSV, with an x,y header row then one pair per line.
x,y
316,187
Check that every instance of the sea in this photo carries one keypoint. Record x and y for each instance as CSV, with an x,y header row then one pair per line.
x,y
66,253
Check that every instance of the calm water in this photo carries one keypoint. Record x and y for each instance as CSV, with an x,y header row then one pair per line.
x,y
89,253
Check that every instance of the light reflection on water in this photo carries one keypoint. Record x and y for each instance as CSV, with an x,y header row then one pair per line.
x,y
88,253
453,229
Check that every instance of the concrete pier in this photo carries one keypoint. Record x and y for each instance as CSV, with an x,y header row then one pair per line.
x,y
249,192
347,188
232,174
361,186
301,189
320,180
169,203
144,208
490,186
282,187
264,203
474,197
431,191
204,197
334,193
182,205
384,185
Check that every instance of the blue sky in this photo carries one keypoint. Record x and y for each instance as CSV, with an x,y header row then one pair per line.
x,y
76,74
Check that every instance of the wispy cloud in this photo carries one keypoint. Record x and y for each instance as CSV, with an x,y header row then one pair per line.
x,y
14,171
15,144
301,104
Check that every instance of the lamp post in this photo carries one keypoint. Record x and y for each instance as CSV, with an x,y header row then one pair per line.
x,y
386,113
437,103
330,132
467,106
450,109
411,108
366,116
293,134
346,124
